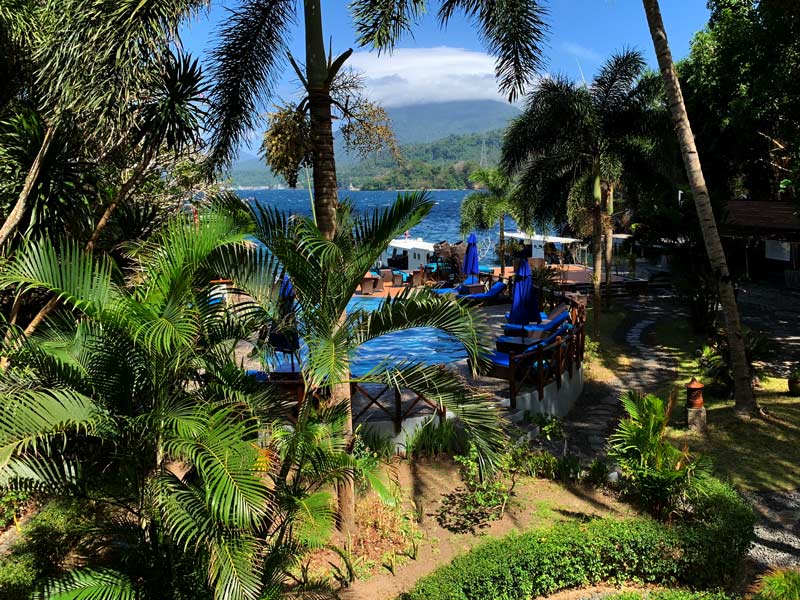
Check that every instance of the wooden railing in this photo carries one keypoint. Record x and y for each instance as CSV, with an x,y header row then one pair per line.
x,y
392,404
547,364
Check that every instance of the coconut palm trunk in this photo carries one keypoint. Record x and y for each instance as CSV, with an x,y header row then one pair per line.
x,y
319,106
326,199
608,259
745,399
597,243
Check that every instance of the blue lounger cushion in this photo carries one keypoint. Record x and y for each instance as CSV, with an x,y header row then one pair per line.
x,y
496,289
457,290
542,314
511,329
502,358
259,376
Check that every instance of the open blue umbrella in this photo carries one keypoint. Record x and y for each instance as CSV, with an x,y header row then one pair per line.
x,y
525,300
471,266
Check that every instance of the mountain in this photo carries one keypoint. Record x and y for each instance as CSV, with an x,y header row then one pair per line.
x,y
419,123
436,134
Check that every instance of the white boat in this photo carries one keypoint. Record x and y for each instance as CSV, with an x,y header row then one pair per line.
x,y
406,254
537,241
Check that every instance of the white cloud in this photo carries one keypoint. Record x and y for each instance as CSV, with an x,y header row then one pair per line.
x,y
581,52
418,75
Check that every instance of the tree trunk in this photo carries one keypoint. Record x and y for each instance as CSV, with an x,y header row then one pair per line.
x,y
597,242
326,197
122,196
503,245
18,212
745,399
609,240
326,201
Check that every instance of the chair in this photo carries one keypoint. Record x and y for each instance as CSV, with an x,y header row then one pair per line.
x,y
556,318
493,294
367,285
387,275
416,278
471,280
502,367
378,284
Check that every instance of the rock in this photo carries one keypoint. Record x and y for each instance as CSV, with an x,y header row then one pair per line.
x,y
613,477
533,433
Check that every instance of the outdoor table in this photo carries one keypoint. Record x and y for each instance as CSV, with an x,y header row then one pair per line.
x,y
474,288
514,344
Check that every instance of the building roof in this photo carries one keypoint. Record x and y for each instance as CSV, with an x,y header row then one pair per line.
x,y
764,219
411,244
538,237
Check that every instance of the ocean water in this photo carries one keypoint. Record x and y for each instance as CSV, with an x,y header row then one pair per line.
x,y
442,223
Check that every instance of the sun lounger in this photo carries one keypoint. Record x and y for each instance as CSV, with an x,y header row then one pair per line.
x,y
472,280
538,328
501,361
493,294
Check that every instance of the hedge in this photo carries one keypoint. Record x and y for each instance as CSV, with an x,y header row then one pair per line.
x,y
700,554
676,594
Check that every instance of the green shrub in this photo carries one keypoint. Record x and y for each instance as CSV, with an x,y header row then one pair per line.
x,y
18,574
715,363
656,474
779,584
598,472
12,503
434,438
704,552
674,594
45,542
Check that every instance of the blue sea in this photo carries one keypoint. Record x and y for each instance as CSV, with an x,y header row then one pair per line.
x,y
442,222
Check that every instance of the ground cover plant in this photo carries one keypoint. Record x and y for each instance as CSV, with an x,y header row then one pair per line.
x,y
703,552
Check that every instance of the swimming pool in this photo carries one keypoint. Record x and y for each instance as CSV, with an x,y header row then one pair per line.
x,y
421,344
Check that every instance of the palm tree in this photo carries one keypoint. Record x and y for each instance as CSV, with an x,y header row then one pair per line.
x,y
743,390
253,46
486,208
87,64
325,274
168,114
565,149
137,403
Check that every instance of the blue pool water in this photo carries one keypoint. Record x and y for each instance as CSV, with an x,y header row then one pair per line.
x,y
421,344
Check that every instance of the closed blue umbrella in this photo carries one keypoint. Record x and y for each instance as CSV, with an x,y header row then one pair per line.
x,y
287,289
471,266
525,300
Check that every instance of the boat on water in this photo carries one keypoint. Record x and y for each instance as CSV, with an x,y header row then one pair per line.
x,y
406,254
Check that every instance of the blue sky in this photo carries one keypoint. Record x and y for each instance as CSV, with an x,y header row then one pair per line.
x,y
436,65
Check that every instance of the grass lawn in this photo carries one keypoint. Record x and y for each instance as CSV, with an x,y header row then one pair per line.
x,y
761,454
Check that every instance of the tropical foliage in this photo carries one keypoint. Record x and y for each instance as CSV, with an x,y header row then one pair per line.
x,y
568,149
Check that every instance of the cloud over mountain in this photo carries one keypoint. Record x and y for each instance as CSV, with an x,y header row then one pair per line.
x,y
423,75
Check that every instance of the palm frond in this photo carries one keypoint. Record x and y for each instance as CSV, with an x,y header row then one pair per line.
x,y
89,584
81,280
381,23
473,410
246,63
513,30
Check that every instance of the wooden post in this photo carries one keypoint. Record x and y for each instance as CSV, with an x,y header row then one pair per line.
x,y
540,373
512,389
398,411
557,358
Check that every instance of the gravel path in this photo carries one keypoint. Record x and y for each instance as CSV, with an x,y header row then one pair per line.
x,y
777,532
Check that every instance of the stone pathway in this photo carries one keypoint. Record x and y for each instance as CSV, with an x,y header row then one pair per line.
x,y
777,542
593,420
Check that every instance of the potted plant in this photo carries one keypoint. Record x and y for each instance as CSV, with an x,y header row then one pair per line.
x,y
794,382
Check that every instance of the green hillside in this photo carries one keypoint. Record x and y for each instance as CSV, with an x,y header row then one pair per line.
x,y
436,140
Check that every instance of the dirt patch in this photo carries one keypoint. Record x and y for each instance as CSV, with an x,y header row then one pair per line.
x,y
425,484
